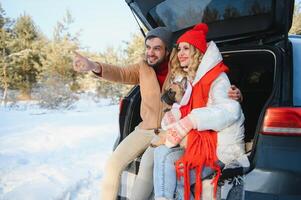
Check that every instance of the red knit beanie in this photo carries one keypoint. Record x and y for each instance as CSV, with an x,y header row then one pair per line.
x,y
196,37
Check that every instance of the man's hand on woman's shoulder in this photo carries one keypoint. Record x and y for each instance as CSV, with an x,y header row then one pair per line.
x,y
235,93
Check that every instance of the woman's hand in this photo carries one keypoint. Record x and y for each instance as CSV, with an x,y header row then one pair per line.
x,y
83,64
235,94
178,131
170,117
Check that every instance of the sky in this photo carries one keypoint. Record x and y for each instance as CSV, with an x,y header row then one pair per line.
x,y
102,24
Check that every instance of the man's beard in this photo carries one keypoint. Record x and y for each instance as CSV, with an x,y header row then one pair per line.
x,y
156,64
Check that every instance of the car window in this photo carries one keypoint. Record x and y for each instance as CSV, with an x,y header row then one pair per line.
x,y
173,13
296,41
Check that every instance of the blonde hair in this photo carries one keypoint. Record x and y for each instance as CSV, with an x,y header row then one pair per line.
x,y
176,69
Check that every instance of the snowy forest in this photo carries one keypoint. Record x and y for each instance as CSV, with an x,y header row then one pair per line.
x,y
34,67
55,148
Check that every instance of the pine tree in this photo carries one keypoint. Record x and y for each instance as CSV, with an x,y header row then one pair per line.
x,y
5,43
25,55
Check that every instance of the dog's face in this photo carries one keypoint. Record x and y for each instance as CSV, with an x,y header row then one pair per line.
x,y
175,91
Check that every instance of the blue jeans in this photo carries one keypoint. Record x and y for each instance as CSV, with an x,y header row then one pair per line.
x,y
165,181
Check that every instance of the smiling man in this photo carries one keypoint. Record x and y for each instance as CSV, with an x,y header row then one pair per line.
x,y
150,74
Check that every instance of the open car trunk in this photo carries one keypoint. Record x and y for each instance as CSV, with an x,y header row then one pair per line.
x,y
256,62
253,38
232,24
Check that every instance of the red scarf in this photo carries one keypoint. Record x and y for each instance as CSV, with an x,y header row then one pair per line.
x,y
201,145
161,72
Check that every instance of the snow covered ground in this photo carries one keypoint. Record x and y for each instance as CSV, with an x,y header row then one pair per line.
x,y
55,155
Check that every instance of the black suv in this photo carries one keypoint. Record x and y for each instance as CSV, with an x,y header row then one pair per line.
x,y
264,62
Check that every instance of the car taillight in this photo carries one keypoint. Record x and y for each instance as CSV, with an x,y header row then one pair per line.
x,y
282,121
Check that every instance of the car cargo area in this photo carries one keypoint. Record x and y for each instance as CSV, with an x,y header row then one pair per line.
x,y
252,71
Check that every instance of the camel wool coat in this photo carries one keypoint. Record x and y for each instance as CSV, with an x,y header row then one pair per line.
x,y
151,109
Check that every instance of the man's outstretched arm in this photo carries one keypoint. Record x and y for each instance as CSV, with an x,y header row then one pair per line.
x,y
127,74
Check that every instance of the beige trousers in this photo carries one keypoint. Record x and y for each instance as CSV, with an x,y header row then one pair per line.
x,y
130,148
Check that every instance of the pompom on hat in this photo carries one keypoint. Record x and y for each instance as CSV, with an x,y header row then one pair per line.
x,y
196,37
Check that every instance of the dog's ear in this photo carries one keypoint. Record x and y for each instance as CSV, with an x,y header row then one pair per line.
x,y
171,79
